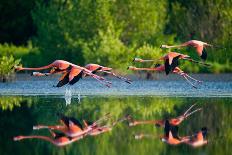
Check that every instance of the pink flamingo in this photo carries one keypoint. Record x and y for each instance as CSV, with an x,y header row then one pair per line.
x,y
198,139
71,73
98,68
72,127
198,45
58,139
172,121
177,70
171,60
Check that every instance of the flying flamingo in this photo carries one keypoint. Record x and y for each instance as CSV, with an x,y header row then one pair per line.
x,y
71,126
198,139
71,73
98,68
170,135
177,70
173,121
58,139
198,45
171,60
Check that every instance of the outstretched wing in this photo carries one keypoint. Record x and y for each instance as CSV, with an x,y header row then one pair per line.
x,y
58,134
75,75
66,120
204,54
95,71
63,80
199,49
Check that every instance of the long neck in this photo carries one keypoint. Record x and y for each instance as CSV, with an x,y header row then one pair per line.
x,y
53,127
147,69
40,137
145,122
175,46
39,68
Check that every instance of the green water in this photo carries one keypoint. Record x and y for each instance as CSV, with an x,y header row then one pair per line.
x,y
19,114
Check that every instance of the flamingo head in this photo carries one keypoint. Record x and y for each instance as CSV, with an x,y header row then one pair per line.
x,y
164,46
204,131
17,138
137,60
18,68
131,68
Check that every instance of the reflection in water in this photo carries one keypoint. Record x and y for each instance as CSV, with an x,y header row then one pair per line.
x,y
216,115
68,96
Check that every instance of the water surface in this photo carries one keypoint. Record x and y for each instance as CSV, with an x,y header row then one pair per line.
x,y
19,113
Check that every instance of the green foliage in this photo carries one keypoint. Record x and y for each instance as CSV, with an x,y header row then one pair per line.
x,y
107,49
112,32
7,67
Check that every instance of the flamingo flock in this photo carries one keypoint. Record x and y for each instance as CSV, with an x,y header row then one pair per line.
x,y
71,130
171,60
72,73
171,127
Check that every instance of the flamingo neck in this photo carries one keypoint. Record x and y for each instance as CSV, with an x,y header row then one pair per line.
x,y
148,69
40,137
175,46
145,122
39,68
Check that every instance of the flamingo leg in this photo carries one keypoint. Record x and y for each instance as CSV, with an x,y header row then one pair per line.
x,y
100,79
117,76
189,81
189,109
193,78
187,115
106,116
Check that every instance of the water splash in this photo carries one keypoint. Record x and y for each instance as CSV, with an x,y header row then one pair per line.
x,y
68,96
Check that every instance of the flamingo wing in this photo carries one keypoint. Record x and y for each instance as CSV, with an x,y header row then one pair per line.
x,y
75,75
167,67
200,136
199,49
66,120
58,135
170,67
63,80
204,54
95,71
76,122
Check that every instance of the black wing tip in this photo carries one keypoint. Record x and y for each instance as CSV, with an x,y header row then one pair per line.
x,y
157,65
204,55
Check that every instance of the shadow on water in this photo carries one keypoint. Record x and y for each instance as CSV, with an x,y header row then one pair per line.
x,y
19,114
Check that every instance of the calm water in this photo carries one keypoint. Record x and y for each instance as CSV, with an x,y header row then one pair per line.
x,y
27,102
29,111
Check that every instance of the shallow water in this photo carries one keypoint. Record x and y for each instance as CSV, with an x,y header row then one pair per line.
x,y
213,86
28,111
31,101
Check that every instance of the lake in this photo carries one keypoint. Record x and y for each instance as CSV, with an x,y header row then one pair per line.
x,y
27,102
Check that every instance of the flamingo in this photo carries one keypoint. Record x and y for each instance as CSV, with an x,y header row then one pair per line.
x,y
71,126
177,70
198,139
71,73
171,135
171,60
98,68
58,139
173,121
198,45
